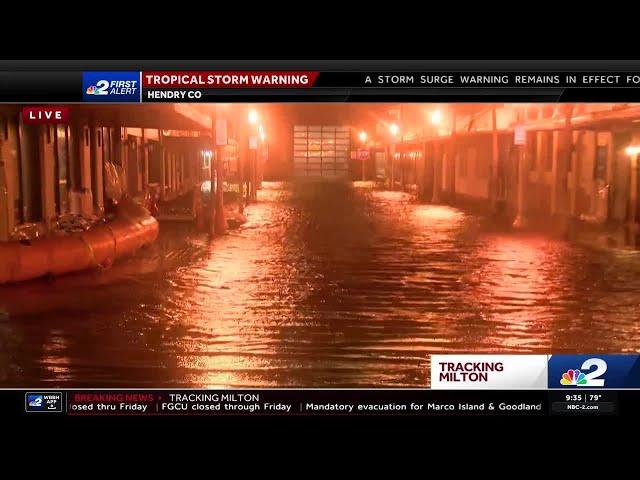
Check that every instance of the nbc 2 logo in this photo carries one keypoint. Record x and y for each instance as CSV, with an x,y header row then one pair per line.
x,y
594,368
100,88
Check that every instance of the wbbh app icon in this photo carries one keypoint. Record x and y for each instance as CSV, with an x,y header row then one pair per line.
x,y
35,401
43,402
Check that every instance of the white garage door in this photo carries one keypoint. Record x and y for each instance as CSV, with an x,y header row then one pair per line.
x,y
320,151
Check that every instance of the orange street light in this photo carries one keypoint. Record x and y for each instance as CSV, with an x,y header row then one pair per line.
x,y
261,132
394,129
632,150
363,136
253,117
436,117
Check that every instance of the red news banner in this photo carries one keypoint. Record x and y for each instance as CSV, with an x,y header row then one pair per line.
x,y
278,79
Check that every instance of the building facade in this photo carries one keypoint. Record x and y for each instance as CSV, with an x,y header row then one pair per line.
x,y
533,161
50,171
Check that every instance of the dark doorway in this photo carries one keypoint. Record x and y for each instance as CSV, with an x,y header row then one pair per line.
x,y
30,173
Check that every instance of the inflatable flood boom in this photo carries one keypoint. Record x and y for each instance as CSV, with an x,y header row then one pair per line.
x,y
99,246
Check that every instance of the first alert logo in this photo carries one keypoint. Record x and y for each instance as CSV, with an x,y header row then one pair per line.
x,y
114,87
488,371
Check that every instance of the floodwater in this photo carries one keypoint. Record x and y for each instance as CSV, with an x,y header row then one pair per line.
x,y
325,286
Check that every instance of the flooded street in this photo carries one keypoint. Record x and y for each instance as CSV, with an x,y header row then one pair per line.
x,y
325,286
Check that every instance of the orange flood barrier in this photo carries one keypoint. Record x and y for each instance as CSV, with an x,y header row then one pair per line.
x,y
97,247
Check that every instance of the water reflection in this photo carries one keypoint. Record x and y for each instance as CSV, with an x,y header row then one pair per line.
x,y
324,286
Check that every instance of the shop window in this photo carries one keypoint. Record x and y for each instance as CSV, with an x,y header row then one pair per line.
x,y
155,162
600,167
30,173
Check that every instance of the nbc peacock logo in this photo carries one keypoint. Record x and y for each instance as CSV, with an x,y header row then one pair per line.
x,y
573,377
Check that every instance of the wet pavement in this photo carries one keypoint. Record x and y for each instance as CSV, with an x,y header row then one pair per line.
x,y
325,286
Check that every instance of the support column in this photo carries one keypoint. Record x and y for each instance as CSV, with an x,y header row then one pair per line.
x,y
119,157
523,172
437,173
218,222
392,163
8,176
563,158
576,169
243,149
634,210
4,190
451,161
254,176
85,171
523,179
539,183
174,176
421,171
633,193
97,184
556,176
163,171
610,179
144,158
47,170
494,194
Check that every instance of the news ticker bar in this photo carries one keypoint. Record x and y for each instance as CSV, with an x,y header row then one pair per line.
x,y
467,384
319,402
136,86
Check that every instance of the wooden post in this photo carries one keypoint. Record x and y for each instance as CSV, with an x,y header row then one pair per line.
x,y
576,169
392,160
633,194
254,190
610,178
161,156
452,159
5,212
9,187
242,160
437,173
145,162
47,170
494,192
97,164
523,178
555,173
634,211
523,171
562,159
220,224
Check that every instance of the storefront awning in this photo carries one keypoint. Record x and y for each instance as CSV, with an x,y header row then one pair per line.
x,y
159,116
